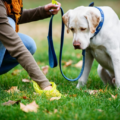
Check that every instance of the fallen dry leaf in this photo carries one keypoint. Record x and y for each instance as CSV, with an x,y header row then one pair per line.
x,y
99,110
50,113
38,63
109,99
114,96
25,80
55,110
68,63
32,107
26,98
79,55
75,95
66,95
54,98
101,90
47,111
63,61
36,93
15,72
45,69
79,64
13,89
92,91
11,102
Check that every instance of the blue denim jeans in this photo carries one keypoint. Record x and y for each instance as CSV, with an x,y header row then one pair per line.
x,y
8,61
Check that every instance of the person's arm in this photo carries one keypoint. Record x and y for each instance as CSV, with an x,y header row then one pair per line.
x,y
38,13
33,15
16,48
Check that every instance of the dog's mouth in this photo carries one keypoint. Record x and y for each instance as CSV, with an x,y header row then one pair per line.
x,y
76,45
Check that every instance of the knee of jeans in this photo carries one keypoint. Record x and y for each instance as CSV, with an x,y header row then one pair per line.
x,y
32,47
28,42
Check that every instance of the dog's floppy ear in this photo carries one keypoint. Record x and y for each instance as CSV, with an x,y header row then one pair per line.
x,y
93,20
66,19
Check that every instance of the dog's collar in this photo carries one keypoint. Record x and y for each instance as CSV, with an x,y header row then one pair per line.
x,y
101,22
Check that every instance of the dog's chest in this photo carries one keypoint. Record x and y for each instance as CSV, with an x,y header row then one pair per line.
x,y
100,54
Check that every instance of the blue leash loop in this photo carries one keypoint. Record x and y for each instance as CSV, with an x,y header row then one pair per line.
x,y
52,56
60,56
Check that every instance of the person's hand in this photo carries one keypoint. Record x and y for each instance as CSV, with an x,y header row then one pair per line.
x,y
52,9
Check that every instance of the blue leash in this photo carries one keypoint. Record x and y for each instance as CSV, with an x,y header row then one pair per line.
x,y
52,56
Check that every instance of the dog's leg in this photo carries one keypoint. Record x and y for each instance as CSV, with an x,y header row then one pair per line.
x,y
88,63
104,75
115,56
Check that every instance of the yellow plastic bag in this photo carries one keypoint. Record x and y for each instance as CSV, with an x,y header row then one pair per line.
x,y
54,2
49,93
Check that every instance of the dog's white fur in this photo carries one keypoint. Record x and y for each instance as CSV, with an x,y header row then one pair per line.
x,y
104,47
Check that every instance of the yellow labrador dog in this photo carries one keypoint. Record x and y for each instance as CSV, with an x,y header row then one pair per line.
x,y
104,47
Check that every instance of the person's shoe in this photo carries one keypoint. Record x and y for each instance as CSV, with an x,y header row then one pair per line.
x,y
48,93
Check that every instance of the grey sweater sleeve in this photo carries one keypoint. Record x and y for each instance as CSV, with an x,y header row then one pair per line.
x,y
33,15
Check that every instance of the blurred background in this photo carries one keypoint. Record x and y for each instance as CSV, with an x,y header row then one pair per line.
x,y
69,4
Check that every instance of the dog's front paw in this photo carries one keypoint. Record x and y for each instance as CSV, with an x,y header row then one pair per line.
x,y
116,83
113,81
80,84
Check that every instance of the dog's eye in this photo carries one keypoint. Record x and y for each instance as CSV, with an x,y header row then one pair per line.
x,y
82,29
72,29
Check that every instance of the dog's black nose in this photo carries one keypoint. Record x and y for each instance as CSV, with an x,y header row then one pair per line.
x,y
76,45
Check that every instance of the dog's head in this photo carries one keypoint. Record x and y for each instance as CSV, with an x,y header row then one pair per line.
x,y
82,22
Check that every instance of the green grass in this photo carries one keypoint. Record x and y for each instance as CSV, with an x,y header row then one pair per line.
x,y
82,106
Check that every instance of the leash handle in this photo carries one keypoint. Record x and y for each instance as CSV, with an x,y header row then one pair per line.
x,y
52,56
